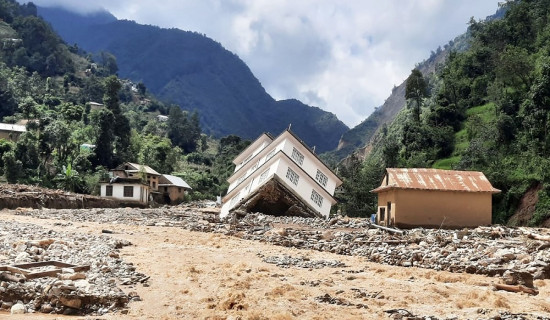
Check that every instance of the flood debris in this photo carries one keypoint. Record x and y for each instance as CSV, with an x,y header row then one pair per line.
x,y
301,262
327,298
49,271
43,269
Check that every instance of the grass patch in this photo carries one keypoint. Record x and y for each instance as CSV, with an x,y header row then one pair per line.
x,y
486,112
447,163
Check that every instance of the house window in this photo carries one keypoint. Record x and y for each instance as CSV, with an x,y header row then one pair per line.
x,y
321,178
316,198
109,191
128,191
263,176
292,176
179,190
297,156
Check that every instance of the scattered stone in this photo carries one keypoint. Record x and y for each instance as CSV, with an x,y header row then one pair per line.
x,y
491,251
18,308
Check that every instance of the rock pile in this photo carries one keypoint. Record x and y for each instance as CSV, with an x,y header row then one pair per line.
x,y
69,292
492,251
483,250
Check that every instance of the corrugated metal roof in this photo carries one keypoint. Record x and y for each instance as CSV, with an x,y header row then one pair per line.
x,y
436,179
173,181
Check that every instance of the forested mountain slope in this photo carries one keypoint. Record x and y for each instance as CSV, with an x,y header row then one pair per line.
x,y
487,110
197,73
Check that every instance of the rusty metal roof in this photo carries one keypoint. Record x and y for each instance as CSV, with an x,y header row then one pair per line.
x,y
436,179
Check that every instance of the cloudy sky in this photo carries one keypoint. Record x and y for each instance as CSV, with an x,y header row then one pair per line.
x,y
343,56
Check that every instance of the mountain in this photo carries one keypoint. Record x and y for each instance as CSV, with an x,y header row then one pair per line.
x,y
196,73
359,139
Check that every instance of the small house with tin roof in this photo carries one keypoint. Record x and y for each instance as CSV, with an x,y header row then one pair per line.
x,y
434,198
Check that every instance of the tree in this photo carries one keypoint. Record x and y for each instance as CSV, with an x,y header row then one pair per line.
x,y
121,125
103,121
69,180
12,167
415,91
359,179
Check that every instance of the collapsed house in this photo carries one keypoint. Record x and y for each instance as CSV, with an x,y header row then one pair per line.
x,y
434,198
280,176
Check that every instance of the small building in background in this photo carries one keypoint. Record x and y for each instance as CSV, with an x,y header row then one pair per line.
x,y
95,105
280,176
138,171
131,183
11,132
434,198
162,118
139,184
173,189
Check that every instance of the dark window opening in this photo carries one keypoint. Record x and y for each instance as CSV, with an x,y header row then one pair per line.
x,y
128,191
109,191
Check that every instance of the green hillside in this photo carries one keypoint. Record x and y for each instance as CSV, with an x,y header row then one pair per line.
x,y
196,73
487,110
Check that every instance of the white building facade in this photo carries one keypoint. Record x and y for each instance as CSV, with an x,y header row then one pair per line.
x,y
287,159
126,190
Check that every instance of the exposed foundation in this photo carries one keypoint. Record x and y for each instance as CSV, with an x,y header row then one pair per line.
x,y
273,198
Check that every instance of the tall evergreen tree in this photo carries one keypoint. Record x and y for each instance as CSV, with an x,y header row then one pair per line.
x,y
415,91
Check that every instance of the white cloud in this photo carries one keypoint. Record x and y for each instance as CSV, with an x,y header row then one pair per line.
x,y
344,56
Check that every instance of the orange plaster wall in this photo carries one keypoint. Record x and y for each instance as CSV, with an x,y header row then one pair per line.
x,y
437,208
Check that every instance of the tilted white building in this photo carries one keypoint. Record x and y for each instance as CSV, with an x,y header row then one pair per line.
x,y
281,176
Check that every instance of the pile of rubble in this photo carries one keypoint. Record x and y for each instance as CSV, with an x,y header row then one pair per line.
x,y
90,288
483,250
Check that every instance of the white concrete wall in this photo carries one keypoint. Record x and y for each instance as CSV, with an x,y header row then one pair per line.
x,y
141,193
304,187
310,164
271,150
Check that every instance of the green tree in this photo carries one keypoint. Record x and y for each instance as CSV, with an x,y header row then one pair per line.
x,y
415,91
104,121
12,167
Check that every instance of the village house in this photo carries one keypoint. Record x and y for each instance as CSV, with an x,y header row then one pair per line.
x,y
434,198
280,176
10,131
136,183
131,182
173,188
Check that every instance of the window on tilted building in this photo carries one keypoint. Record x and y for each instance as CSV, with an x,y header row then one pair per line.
x,y
292,176
297,156
317,198
321,178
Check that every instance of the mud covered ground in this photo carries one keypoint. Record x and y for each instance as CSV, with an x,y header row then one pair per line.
x,y
200,268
